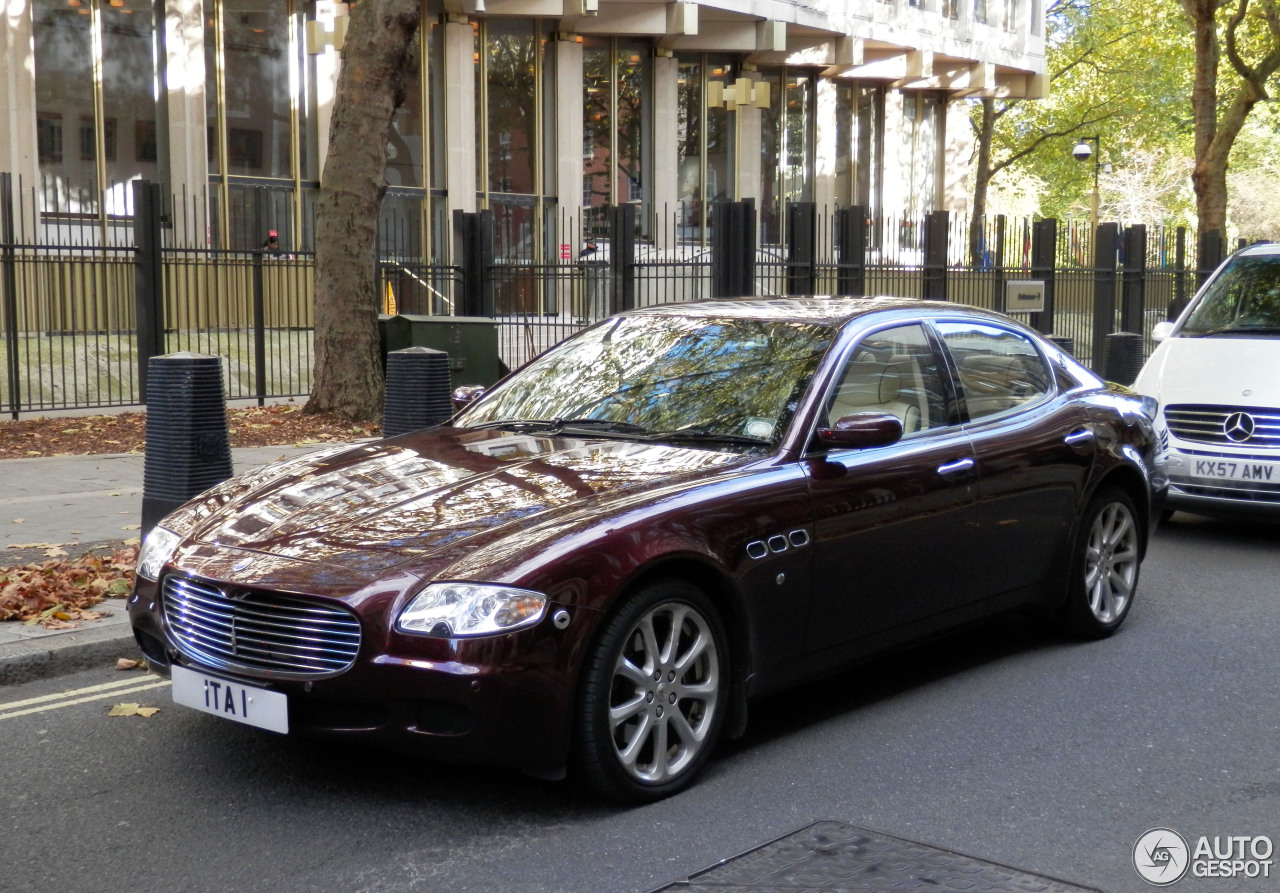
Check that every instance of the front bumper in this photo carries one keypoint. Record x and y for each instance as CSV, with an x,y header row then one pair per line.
x,y
497,700
1208,481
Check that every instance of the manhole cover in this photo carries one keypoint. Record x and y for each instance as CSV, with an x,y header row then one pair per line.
x,y
834,857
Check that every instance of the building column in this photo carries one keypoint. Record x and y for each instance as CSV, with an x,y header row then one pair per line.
x,y
895,171
18,149
664,179
826,148
958,153
570,134
328,65
460,125
748,144
188,120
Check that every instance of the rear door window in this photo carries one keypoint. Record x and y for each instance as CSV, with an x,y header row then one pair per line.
x,y
999,369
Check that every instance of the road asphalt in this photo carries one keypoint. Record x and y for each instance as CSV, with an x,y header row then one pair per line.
x,y
79,504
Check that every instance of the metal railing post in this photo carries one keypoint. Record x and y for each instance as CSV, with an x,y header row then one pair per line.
x,y
259,333
936,232
9,271
997,265
473,244
1210,254
1104,289
622,257
802,259
1044,254
1179,302
733,249
148,277
851,272
1134,278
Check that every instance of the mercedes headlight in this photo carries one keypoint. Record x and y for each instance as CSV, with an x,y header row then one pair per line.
x,y
471,609
157,548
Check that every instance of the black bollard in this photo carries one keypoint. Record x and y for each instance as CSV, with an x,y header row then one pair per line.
x,y
419,393
188,447
1123,359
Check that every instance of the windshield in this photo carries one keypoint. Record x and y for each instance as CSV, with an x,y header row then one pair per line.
x,y
666,377
1243,300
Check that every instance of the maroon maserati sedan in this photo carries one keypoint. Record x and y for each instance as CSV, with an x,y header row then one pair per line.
x,y
598,565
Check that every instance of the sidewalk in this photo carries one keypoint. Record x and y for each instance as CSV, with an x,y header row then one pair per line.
x,y
80,504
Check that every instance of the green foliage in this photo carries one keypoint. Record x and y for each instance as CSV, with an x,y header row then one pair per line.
x,y
1126,78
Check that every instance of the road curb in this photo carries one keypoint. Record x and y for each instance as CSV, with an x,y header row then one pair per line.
x,y
90,646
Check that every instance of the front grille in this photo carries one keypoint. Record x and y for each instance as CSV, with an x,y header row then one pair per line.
x,y
259,632
1245,426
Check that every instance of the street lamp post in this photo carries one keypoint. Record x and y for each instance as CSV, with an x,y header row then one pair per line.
x,y
1083,152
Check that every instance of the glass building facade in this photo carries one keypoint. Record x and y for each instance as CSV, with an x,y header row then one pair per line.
x,y
226,103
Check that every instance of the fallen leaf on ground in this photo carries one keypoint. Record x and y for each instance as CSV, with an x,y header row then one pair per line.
x,y
58,592
125,664
132,710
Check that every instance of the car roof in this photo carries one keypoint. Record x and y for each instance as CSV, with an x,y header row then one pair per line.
x,y
830,310
1259,249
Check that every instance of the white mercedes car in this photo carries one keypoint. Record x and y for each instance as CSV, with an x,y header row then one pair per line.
x,y
1216,375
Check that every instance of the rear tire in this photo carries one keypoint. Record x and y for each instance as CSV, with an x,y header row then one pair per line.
x,y
1104,567
654,695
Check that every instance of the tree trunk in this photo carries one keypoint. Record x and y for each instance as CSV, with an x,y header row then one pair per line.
x,y
1215,135
981,182
377,56
1210,183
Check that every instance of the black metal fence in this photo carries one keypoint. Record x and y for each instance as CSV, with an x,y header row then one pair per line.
x,y
80,321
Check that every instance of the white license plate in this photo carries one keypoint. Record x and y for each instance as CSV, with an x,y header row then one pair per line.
x,y
1236,470
231,700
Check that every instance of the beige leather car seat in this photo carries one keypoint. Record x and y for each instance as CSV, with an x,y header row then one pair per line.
x,y
871,386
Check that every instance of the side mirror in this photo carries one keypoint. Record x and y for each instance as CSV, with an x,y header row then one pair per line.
x,y
862,430
1161,331
466,395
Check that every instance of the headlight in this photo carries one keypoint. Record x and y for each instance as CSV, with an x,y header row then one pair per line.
x,y
471,609
157,548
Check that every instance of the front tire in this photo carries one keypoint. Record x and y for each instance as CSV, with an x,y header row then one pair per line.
x,y
654,694
1104,568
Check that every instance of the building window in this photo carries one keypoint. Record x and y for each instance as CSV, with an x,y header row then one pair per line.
x,y
515,89
921,134
787,147
617,84
705,140
107,105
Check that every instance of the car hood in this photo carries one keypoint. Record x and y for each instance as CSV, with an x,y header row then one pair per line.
x,y
1225,371
371,508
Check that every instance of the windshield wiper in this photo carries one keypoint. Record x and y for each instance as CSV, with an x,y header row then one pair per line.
x,y
519,425
1237,330
709,437
555,426
613,426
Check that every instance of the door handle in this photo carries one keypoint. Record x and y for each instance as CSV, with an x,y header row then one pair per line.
x,y
957,468
1075,438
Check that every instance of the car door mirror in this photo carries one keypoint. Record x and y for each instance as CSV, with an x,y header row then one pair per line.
x,y
1161,331
862,430
466,395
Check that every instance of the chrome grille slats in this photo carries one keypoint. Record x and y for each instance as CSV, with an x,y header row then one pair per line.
x,y
259,632
1204,423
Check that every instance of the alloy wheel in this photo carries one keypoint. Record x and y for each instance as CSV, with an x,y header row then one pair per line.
x,y
1111,562
664,692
